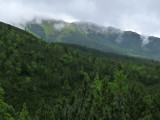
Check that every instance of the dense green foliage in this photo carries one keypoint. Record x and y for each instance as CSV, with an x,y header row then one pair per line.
x,y
94,36
116,100
46,81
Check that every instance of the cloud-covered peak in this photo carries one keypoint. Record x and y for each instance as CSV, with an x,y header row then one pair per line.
x,y
139,15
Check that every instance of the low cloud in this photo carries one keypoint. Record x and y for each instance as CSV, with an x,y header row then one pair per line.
x,y
119,39
59,26
145,40
141,16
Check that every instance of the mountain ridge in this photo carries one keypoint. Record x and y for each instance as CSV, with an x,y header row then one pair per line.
x,y
107,39
50,81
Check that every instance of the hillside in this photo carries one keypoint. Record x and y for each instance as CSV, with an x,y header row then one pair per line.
x,y
50,81
107,39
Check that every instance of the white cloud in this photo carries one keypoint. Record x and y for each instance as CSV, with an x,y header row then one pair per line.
x,y
137,15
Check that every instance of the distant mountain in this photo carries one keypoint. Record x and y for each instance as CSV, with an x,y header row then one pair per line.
x,y
107,39
51,81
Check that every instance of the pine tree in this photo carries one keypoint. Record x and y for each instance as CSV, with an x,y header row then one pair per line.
x,y
24,115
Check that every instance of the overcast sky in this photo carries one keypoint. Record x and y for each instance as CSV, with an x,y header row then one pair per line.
x,y
142,16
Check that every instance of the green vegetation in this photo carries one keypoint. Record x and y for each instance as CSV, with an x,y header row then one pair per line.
x,y
50,81
94,36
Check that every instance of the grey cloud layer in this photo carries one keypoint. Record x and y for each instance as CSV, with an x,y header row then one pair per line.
x,y
138,15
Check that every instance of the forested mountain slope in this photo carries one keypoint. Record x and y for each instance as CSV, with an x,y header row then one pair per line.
x,y
48,81
107,39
